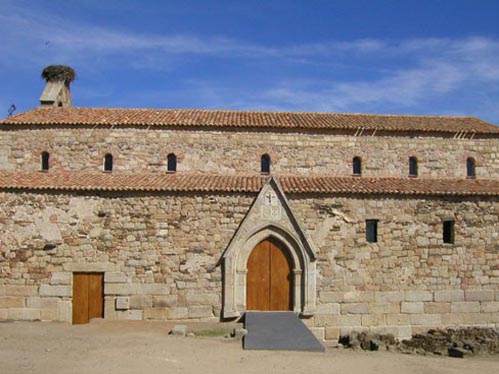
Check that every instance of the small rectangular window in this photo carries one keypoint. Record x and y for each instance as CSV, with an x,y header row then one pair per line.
x,y
372,230
449,231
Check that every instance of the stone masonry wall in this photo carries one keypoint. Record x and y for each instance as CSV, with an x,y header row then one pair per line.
x,y
409,281
159,254
145,150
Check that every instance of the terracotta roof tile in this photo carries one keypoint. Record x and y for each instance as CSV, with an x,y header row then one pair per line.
x,y
74,181
248,119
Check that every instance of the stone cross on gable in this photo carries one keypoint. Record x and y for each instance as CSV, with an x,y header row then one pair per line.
x,y
269,197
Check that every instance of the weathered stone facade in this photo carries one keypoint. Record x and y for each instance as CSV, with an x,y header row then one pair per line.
x,y
161,257
302,153
176,247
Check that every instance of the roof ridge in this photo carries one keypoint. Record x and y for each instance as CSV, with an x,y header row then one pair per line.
x,y
238,119
256,111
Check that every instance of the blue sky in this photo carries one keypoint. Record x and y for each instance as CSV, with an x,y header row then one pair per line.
x,y
396,57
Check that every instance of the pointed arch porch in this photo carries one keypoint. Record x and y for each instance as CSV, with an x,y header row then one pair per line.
x,y
235,259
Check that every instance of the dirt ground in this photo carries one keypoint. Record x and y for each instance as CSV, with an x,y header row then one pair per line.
x,y
146,347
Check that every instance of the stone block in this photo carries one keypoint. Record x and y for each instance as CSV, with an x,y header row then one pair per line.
x,y
64,311
477,318
449,295
21,290
140,301
331,333
412,307
57,291
418,295
349,320
373,320
3,314
384,308
12,302
110,308
490,307
42,302
331,297
169,301
23,314
465,307
178,313
114,277
358,297
130,315
403,332
193,299
153,289
122,289
200,311
156,314
325,320
2,290
354,308
453,319
426,319
122,303
179,330
60,278
318,332
48,314
479,295
398,319
436,308
330,308
240,333
389,296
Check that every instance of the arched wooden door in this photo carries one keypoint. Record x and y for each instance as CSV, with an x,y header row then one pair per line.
x,y
269,280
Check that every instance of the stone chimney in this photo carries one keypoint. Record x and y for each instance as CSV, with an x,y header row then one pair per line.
x,y
56,92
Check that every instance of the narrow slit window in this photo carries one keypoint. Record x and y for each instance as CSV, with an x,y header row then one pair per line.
x,y
413,167
265,164
448,234
372,230
108,162
470,167
357,166
45,161
172,163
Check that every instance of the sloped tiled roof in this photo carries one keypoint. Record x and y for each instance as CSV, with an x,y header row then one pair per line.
x,y
77,181
249,119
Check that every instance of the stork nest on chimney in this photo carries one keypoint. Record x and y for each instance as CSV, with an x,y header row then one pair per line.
x,y
57,73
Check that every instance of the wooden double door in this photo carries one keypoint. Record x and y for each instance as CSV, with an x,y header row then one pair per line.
x,y
269,280
88,297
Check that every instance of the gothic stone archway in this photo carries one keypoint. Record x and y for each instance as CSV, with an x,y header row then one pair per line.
x,y
235,261
269,218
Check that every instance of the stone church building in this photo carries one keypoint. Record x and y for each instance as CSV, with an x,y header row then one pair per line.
x,y
386,223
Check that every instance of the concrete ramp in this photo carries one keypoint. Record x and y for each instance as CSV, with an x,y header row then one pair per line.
x,y
278,331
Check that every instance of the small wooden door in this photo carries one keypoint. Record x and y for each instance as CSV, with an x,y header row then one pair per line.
x,y
88,297
268,281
